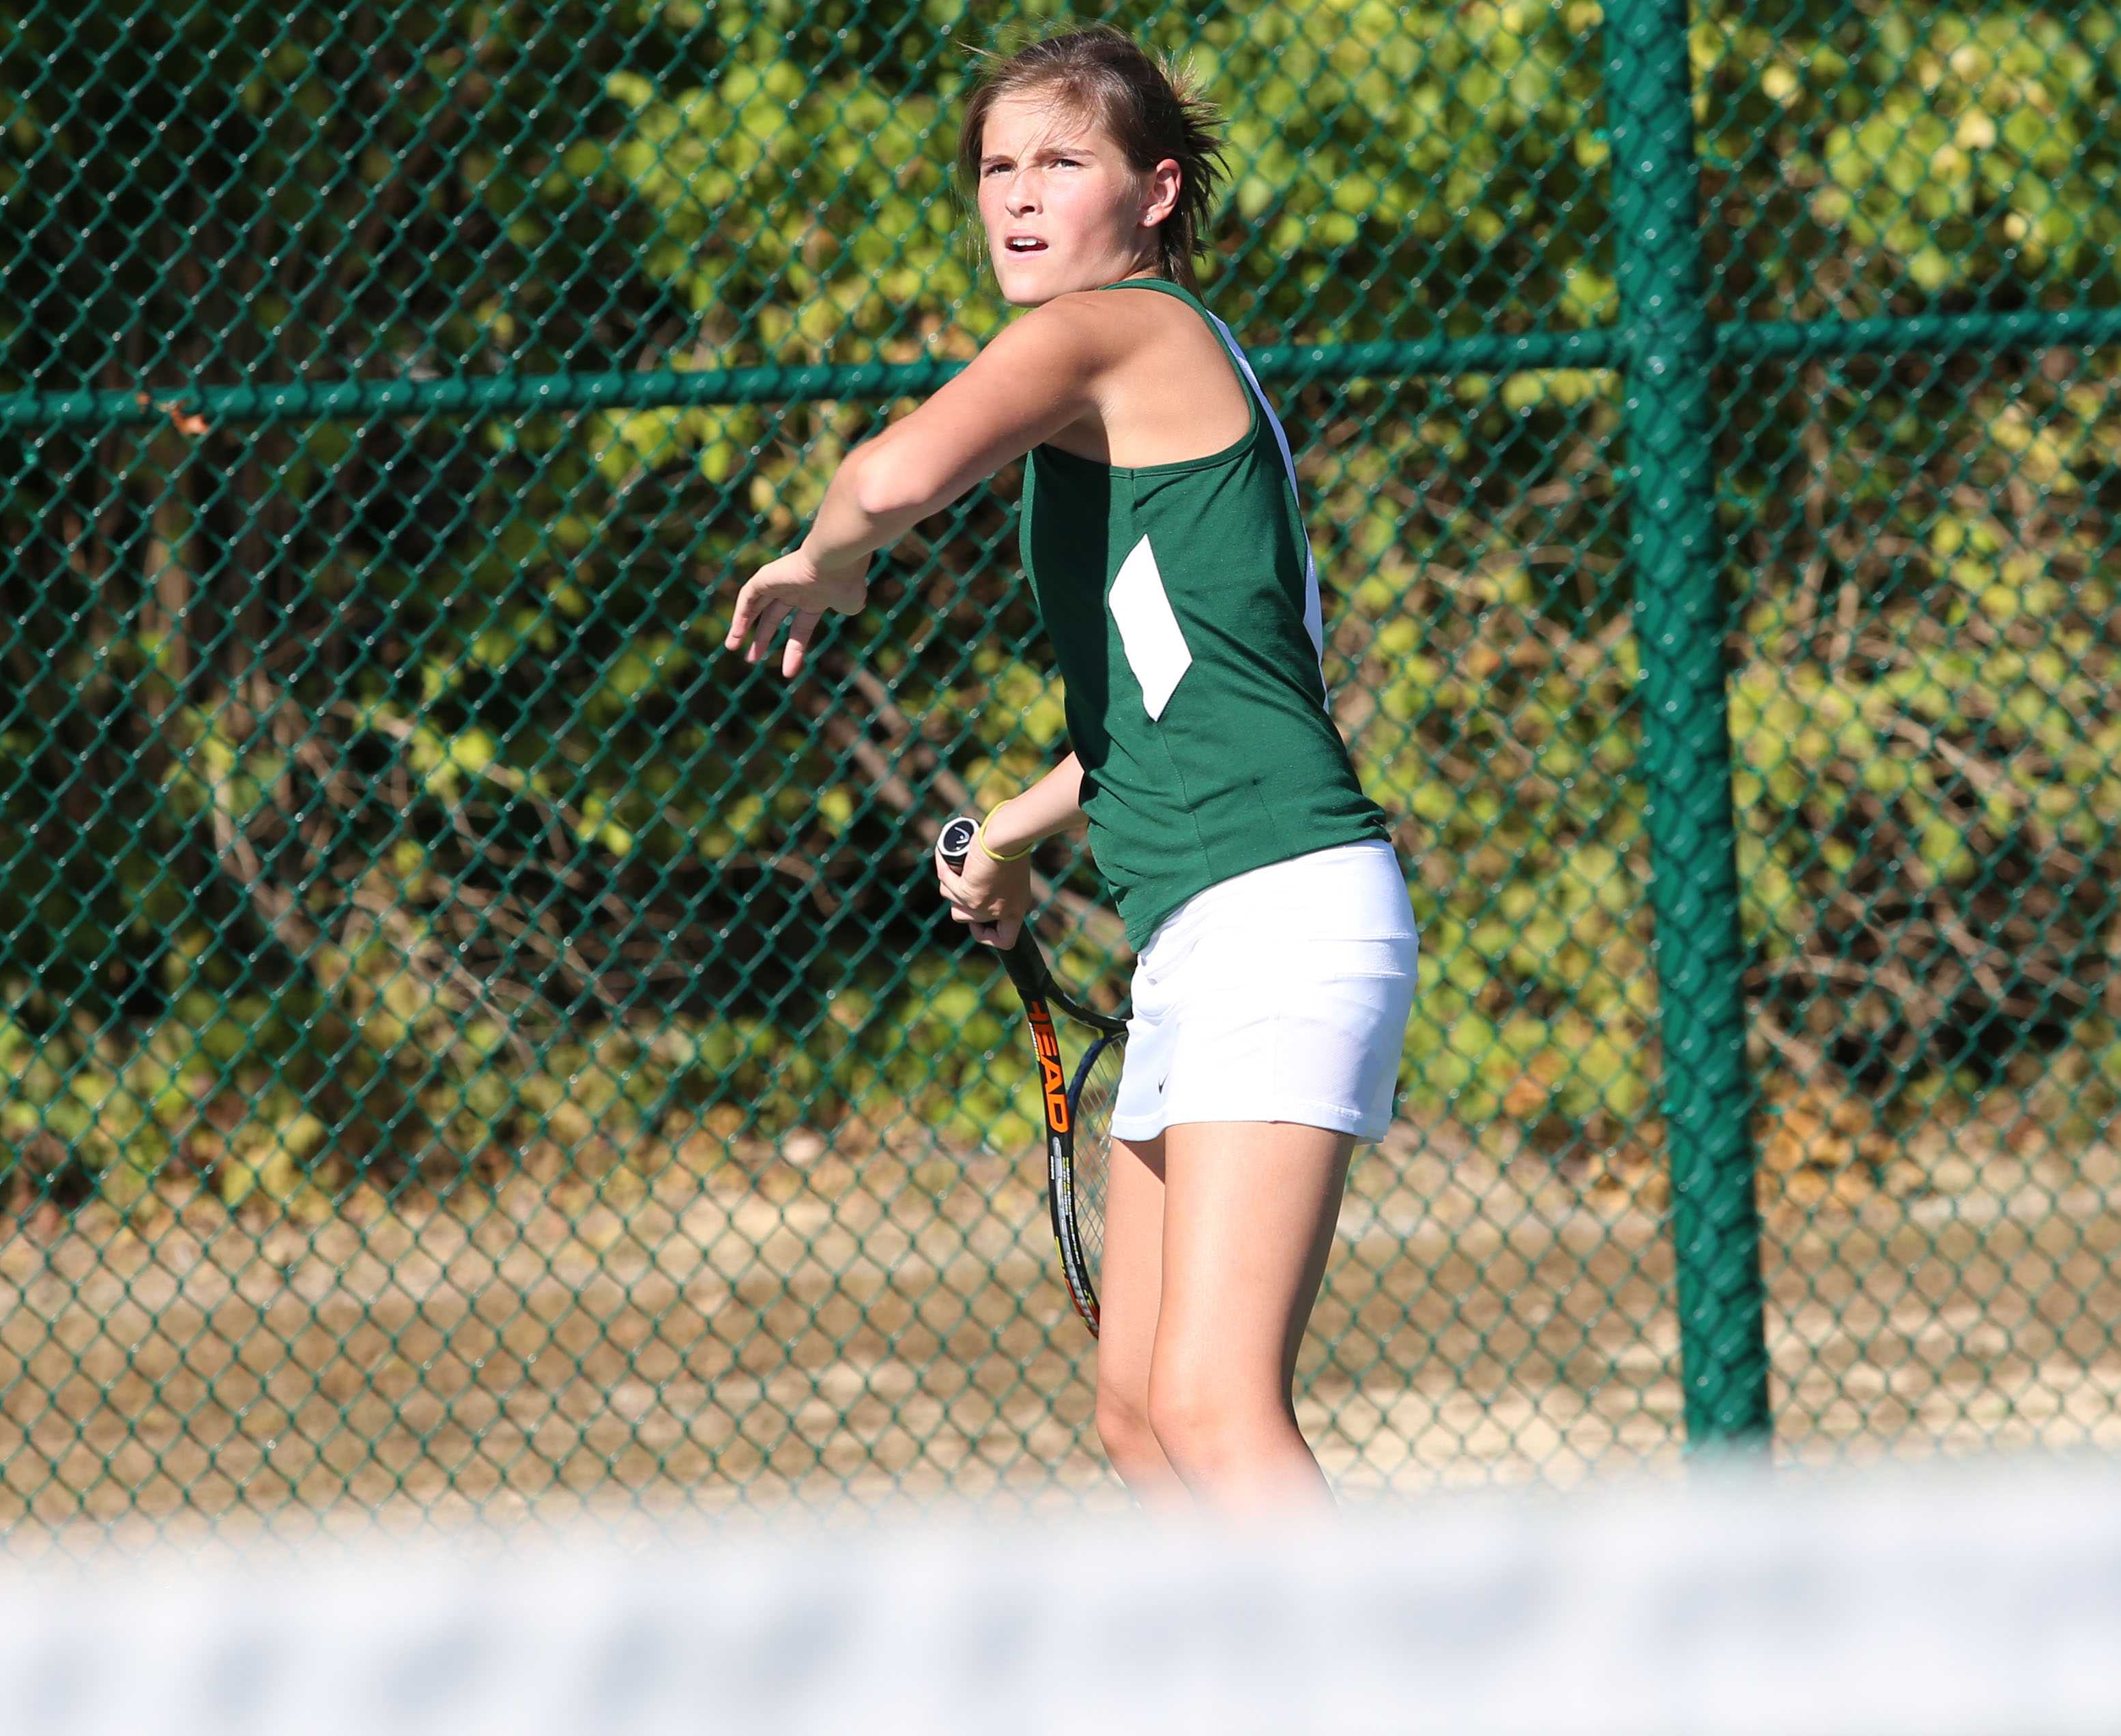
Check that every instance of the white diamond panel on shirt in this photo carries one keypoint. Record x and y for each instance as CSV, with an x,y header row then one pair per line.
x,y
1156,649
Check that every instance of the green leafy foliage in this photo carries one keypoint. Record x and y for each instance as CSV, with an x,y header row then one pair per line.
x,y
376,792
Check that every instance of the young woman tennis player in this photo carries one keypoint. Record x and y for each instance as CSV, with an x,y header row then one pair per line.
x,y
1163,534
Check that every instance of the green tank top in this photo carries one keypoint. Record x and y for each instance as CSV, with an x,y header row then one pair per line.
x,y
1182,603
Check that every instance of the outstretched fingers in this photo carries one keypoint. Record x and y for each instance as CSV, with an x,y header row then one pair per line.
x,y
765,624
741,617
800,632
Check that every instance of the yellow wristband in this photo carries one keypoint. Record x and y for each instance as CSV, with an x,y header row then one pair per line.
x,y
980,837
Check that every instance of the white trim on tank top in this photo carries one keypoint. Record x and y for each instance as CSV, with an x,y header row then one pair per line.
x,y
1314,614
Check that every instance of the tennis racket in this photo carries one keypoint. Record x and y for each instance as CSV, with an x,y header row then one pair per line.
x,y
1078,1106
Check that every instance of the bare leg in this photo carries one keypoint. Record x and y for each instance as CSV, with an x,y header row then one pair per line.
x,y
1249,1211
1130,1276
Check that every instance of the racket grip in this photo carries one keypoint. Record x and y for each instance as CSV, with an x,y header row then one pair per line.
x,y
1027,969
955,843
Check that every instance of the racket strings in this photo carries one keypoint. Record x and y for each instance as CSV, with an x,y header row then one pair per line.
x,y
1097,1092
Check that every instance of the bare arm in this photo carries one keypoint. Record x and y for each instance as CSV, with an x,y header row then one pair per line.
x,y
1033,380
1053,804
857,518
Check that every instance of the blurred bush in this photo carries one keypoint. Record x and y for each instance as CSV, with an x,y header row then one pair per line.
x,y
377,807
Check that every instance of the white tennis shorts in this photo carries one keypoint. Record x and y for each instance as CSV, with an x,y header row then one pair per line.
x,y
1280,994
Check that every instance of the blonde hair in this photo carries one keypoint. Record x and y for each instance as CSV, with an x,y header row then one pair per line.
x,y
1151,108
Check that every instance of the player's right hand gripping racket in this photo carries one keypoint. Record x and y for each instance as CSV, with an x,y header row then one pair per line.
x,y
1078,1106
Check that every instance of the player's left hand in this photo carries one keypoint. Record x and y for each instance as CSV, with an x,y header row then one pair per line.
x,y
796,589
993,897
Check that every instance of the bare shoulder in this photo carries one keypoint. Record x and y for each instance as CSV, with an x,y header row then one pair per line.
x,y
1102,328
1082,326
1123,324
1164,388
1117,378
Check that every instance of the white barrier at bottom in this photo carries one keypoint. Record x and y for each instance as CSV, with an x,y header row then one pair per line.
x,y
1963,1598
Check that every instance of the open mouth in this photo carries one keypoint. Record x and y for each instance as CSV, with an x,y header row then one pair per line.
x,y
1026,247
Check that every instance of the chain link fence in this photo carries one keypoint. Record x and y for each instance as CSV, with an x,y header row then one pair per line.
x,y
470,1046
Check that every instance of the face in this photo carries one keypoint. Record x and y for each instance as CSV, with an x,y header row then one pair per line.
x,y
1047,173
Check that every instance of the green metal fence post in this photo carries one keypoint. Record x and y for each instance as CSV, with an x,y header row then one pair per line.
x,y
1685,754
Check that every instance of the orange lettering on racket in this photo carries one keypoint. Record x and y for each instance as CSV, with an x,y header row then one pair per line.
x,y
1055,1082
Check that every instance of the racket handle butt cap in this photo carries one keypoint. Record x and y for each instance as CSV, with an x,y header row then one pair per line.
x,y
955,843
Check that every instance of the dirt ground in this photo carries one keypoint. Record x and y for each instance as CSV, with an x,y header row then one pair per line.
x,y
807,1325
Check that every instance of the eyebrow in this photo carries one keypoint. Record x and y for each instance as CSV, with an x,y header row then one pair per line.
x,y
1003,156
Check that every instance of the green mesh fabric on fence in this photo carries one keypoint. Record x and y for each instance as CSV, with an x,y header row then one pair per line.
x,y
469,1043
